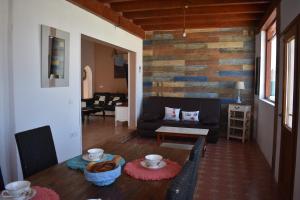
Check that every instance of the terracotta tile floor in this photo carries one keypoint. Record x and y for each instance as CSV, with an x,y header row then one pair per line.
x,y
230,170
97,131
235,171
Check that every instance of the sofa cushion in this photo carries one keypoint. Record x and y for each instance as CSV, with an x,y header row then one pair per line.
x,y
149,117
172,114
150,125
190,115
187,124
210,121
170,123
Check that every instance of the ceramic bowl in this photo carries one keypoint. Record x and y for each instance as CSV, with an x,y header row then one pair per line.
x,y
103,178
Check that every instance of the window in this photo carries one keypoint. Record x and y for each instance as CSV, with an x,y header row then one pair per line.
x,y
270,70
289,82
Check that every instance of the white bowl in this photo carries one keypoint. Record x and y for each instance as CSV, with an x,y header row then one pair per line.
x,y
95,154
153,159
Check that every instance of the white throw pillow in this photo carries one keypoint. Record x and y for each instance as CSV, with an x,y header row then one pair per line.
x,y
102,98
172,114
190,116
96,102
116,98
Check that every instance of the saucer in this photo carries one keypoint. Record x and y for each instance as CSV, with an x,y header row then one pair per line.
x,y
86,158
159,166
26,196
30,194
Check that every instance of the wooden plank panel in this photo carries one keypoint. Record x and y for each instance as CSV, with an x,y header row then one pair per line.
x,y
189,68
198,19
248,23
167,4
194,11
108,14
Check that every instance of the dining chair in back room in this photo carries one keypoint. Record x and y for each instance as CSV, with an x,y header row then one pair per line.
x,y
36,150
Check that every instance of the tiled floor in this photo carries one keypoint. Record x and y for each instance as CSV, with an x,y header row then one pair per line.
x,y
230,170
97,130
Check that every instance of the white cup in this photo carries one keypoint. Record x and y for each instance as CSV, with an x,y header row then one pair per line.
x,y
95,154
16,189
153,159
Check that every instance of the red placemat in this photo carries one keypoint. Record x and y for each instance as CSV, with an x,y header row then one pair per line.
x,y
136,170
43,193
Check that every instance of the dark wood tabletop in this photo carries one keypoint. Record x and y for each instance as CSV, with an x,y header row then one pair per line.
x,y
71,184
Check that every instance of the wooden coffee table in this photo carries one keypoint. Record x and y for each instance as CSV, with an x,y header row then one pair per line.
x,y
164,131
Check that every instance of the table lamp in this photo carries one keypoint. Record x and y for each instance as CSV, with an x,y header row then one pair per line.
x,y
240,85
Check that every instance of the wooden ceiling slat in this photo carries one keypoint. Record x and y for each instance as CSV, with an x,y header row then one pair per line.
x,y
195,19
232,9
99,9
249,23
114,1
135,16
168,4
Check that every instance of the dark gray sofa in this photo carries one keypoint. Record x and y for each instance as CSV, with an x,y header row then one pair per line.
x,y
153,114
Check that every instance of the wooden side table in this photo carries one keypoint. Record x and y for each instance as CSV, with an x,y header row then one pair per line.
x,y
239,119
121,114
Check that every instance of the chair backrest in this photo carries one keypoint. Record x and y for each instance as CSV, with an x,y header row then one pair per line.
x,y
180,187
196,152
1,181
195,157
36,150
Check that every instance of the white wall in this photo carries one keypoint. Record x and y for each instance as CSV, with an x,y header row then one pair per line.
x,y
289,10
6,115
59,107
264,110
265,127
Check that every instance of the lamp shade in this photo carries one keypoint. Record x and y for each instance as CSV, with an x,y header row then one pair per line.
x,y
240,85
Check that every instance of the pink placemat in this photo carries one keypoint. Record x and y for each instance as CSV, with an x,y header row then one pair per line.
x,y
43,193
136,170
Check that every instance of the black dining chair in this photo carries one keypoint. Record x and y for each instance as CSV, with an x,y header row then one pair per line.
x,y
1,181
36,150
195,156
180,186
197,150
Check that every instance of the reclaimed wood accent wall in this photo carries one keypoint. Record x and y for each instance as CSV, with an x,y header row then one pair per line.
x,y
206,63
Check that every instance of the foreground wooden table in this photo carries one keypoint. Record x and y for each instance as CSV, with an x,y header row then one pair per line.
x,y
71,184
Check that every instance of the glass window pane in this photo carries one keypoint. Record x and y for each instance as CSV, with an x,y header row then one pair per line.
x,y
273,69
270,70
289,83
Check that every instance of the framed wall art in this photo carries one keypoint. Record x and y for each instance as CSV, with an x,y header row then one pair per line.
x,y
55,57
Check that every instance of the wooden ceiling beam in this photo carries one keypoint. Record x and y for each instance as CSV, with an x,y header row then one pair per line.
x,y
195,19
204,10
168,4
199,25
99,9
114,1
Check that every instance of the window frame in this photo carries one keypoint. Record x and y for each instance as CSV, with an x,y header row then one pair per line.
x,y
271,33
